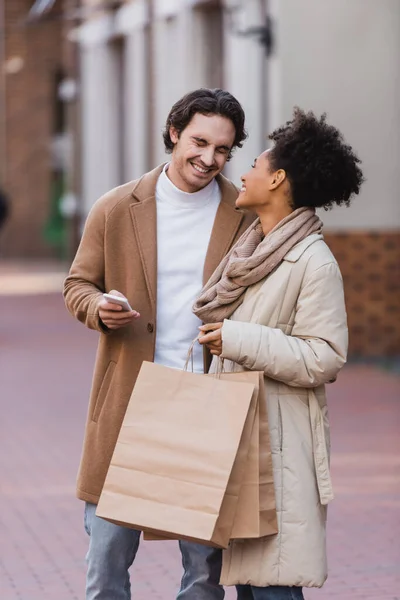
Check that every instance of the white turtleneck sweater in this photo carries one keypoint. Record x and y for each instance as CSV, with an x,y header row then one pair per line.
x,y
184,225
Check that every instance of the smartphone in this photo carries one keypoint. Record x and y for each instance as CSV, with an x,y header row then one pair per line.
x,y
120,300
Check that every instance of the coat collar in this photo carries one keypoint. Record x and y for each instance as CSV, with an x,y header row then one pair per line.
x,y
144,219
295,253
145,187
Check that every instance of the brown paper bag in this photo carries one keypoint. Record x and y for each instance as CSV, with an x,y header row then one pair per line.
x,y
226,514
255,515
256,509
175,454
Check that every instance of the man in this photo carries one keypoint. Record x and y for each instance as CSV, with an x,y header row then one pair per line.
x,y
155,241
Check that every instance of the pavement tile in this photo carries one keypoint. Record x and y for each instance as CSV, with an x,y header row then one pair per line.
x,y
45,372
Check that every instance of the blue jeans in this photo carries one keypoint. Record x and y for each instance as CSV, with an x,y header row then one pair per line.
x,y
274,592
112,550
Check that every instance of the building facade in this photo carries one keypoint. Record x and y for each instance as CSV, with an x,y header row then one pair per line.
x,y
334,56
137,57
32,131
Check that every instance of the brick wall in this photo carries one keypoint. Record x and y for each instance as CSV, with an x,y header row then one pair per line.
x,y
29,118
370,265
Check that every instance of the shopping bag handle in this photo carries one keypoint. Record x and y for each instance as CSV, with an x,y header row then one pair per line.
x,y
220,362
189,357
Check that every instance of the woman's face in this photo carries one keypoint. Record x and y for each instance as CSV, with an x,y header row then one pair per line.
x,y
259,184
255,184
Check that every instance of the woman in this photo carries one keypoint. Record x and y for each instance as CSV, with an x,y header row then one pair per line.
x,y
275,304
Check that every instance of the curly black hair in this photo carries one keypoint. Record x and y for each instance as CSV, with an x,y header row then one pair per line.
x,y
321,168
206,102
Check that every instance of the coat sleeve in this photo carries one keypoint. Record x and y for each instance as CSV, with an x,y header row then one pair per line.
x,y
316,349
84,285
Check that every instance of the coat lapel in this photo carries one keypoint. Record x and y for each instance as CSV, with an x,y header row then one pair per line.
x,y
144,220
226,225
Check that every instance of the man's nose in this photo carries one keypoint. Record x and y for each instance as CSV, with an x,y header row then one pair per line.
x,y
208,156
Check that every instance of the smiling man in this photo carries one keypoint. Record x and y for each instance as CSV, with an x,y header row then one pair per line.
x,y
155,241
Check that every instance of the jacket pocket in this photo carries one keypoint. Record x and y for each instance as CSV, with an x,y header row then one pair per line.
x,y
105,386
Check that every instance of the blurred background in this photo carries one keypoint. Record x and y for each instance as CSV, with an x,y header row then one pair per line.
x,y
85,88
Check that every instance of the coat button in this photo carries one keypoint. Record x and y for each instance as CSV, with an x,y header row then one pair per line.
x,y
150,327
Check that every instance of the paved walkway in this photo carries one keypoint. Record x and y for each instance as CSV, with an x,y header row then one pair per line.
x,y
46,360
22,278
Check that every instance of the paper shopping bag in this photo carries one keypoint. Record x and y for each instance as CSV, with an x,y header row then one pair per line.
x,y
256,509
228,510
255,515
175,454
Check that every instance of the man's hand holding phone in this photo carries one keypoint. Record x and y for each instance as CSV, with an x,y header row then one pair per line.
x,y
115,311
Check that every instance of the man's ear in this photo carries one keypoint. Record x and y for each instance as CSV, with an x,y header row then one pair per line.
x,y
278,178
173,134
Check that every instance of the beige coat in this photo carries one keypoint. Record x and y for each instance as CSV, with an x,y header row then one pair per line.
x,y
118,251
292,326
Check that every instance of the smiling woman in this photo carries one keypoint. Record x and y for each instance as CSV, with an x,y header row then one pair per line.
x,y
276,304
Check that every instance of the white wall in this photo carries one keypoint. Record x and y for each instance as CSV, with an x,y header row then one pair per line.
x,y
114,76
245,62
181,55
337,56
342,57
130,22
167,77
178,63
99,101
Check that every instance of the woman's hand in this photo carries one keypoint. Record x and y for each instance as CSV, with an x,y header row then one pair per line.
x,y
211,336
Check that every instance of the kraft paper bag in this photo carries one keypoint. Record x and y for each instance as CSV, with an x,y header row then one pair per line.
x,y
228,511
175,455
255,515
256,509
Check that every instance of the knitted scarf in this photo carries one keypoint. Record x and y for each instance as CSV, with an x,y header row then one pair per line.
x,y
251,259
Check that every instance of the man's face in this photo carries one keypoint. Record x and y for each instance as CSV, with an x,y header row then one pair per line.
x,y
201,151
